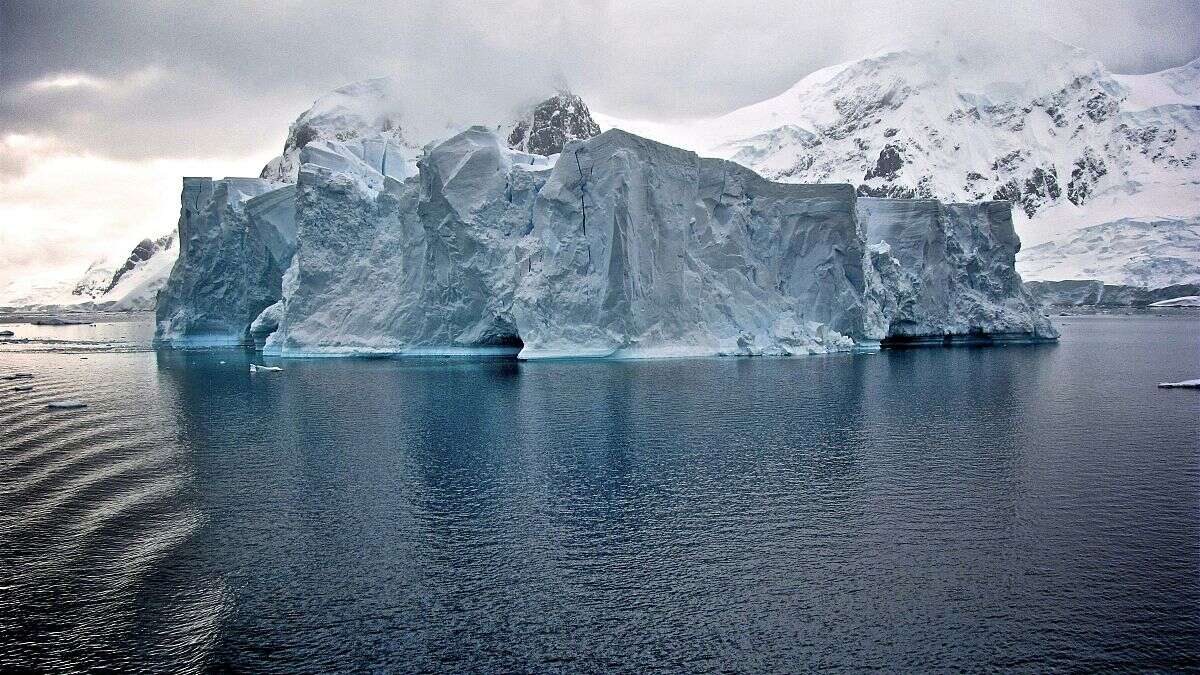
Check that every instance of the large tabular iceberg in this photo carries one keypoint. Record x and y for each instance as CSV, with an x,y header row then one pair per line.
x,y
616,246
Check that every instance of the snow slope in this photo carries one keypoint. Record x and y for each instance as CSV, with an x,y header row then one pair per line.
x,y
1130,251
117,284
1185,301
1045,126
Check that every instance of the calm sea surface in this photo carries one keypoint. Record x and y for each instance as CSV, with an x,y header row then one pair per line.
x,y
1027,508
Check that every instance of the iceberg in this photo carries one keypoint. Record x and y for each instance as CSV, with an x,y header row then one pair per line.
x,y
1185,384
68,404
613,246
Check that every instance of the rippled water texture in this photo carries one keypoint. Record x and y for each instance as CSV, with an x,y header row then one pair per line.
x,y
1027,508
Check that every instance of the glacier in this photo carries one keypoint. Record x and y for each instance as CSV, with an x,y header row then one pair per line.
x,y
613,246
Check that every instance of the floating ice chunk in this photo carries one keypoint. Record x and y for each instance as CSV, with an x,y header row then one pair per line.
x,y
269,369
1185,384
66,405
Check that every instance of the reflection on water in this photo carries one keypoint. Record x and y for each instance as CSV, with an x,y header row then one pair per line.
x,y
1023,508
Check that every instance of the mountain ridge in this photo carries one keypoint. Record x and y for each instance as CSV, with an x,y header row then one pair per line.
x,y
1069,143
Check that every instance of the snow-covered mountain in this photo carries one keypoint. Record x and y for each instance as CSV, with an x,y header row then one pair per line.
x,y
110,283
1042,124
1130,251
1103,169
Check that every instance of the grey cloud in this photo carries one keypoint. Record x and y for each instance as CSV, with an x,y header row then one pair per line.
x,y
233,75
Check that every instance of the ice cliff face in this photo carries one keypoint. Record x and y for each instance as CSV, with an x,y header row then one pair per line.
x,y
621,247
421,265
638,248
235,238
948,270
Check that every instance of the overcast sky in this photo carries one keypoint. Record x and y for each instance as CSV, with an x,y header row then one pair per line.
x,y
103,106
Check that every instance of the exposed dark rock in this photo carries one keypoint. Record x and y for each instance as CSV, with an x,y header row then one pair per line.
x,y
141,253
1036,191
889,163
860,109
1100,107
888,191
1009,162
551,123
1087,170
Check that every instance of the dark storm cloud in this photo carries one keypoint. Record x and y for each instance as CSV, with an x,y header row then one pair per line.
x,y
200,79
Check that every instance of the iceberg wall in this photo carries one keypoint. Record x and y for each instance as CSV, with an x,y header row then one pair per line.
x,y
642,249
233,237
421,266
952,272
619,246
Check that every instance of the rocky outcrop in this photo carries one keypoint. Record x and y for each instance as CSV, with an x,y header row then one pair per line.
x,y
145,249
551,124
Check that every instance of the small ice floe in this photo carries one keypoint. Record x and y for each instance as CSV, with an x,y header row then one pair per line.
x,y
66,405
1185,384
268,369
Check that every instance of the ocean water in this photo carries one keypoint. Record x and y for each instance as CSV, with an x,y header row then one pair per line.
x,y
1025,508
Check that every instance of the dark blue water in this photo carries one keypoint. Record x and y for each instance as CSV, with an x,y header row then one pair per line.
x,y
966,509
